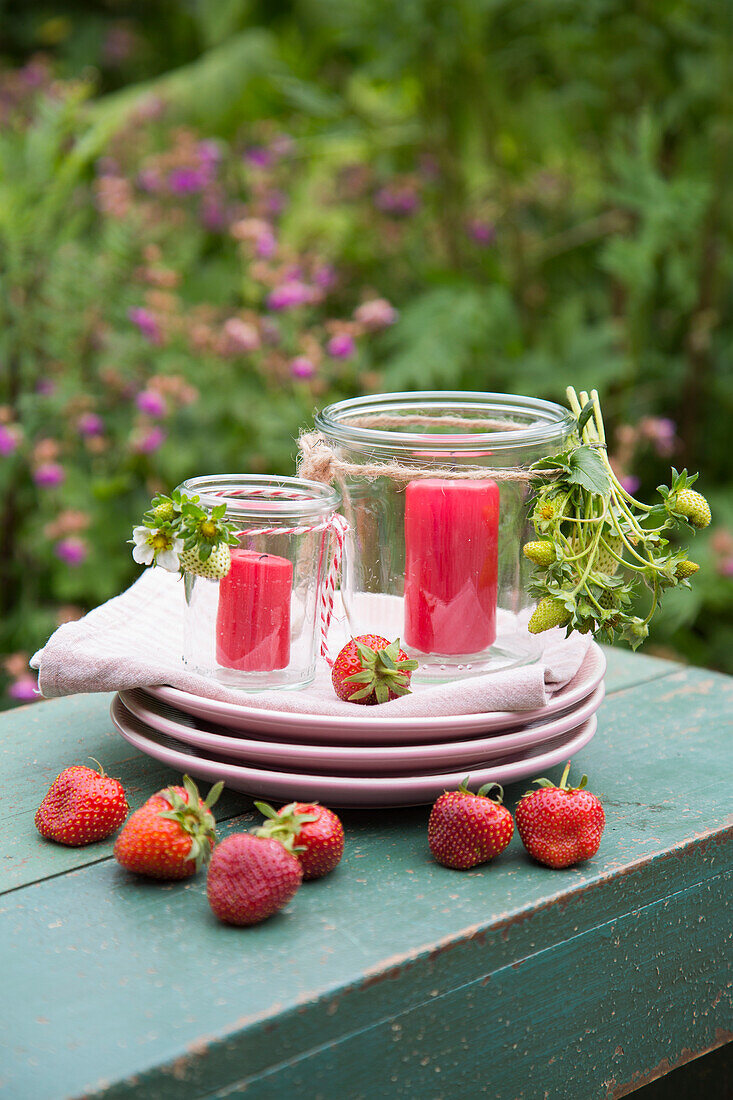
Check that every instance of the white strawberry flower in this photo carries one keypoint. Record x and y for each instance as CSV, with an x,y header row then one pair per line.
x,y
156,546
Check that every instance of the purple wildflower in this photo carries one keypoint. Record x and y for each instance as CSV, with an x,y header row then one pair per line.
x,y
24,690
90,424
209,153
8,440
48,475
150,441
266,245
341,346
258,156
241,336
187,181
213,213
72,551
630,482
149,180
151,403
289,294
725,567
400,201
324,276
481,232
276,201
45,387
376,314
146,322
302,367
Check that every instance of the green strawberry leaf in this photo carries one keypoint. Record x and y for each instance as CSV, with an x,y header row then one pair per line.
x,y
588,471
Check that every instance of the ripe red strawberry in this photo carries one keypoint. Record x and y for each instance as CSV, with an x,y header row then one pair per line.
x,y
312,832
466,829
172,835
370,669
81,806
250,878
561,825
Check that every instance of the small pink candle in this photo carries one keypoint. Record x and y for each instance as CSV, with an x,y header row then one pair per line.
x,y
451,539
253,617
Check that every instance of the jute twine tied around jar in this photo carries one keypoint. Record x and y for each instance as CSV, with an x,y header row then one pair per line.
x,y
319,462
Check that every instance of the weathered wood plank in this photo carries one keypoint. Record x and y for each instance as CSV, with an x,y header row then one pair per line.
x,y
37,741
594,1016
374,939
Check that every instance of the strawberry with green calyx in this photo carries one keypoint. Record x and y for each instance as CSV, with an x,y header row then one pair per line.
x,y
172,835
215,566
181,535
81,807
311,832
549,612
682,501
466,829
560,825
371,669
598,545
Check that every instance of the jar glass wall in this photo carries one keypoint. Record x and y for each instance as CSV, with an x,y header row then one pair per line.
x,y
434,551
260,626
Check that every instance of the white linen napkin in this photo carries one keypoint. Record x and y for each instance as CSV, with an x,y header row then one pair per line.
x,y
135,639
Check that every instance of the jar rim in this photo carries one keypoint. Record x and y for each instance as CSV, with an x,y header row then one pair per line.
x,y
262,496
547,422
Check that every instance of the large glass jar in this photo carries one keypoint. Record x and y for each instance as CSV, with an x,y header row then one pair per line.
x,y
434,551
259,627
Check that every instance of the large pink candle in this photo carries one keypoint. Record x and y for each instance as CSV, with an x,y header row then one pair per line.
x,y
451,538
253,617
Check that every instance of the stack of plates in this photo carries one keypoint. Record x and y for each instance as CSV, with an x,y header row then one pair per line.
x,y
366,760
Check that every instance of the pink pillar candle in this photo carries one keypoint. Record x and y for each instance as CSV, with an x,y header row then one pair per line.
x,y
451,540
253,617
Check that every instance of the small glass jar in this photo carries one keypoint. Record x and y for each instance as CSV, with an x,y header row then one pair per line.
x,y
434,549
260,626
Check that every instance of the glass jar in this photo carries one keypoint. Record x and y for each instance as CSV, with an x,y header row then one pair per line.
x,y
260,626
434,549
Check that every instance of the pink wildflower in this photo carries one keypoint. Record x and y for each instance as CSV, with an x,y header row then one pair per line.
x,y
48,475
151,403
90,424
146,322
630,483
289,295
24,690
149,441
376,314
341,346
481,232
302,367
72,551
240,336
8,440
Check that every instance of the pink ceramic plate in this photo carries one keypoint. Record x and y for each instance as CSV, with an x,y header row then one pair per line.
x,y
344,790
348,760
369,728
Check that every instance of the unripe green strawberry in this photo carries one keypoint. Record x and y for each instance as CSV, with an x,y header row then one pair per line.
x,y
540,553
164,512
607,600
215,567
693,507
549,507
605,561
548,613
686,569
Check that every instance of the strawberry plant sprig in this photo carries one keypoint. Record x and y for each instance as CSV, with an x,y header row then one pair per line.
x,y
597,545
179,535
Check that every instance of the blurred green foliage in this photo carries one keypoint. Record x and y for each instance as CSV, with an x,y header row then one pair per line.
x,y
540,188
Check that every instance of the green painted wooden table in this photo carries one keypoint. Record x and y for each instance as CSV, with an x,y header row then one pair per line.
x,y
393,977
